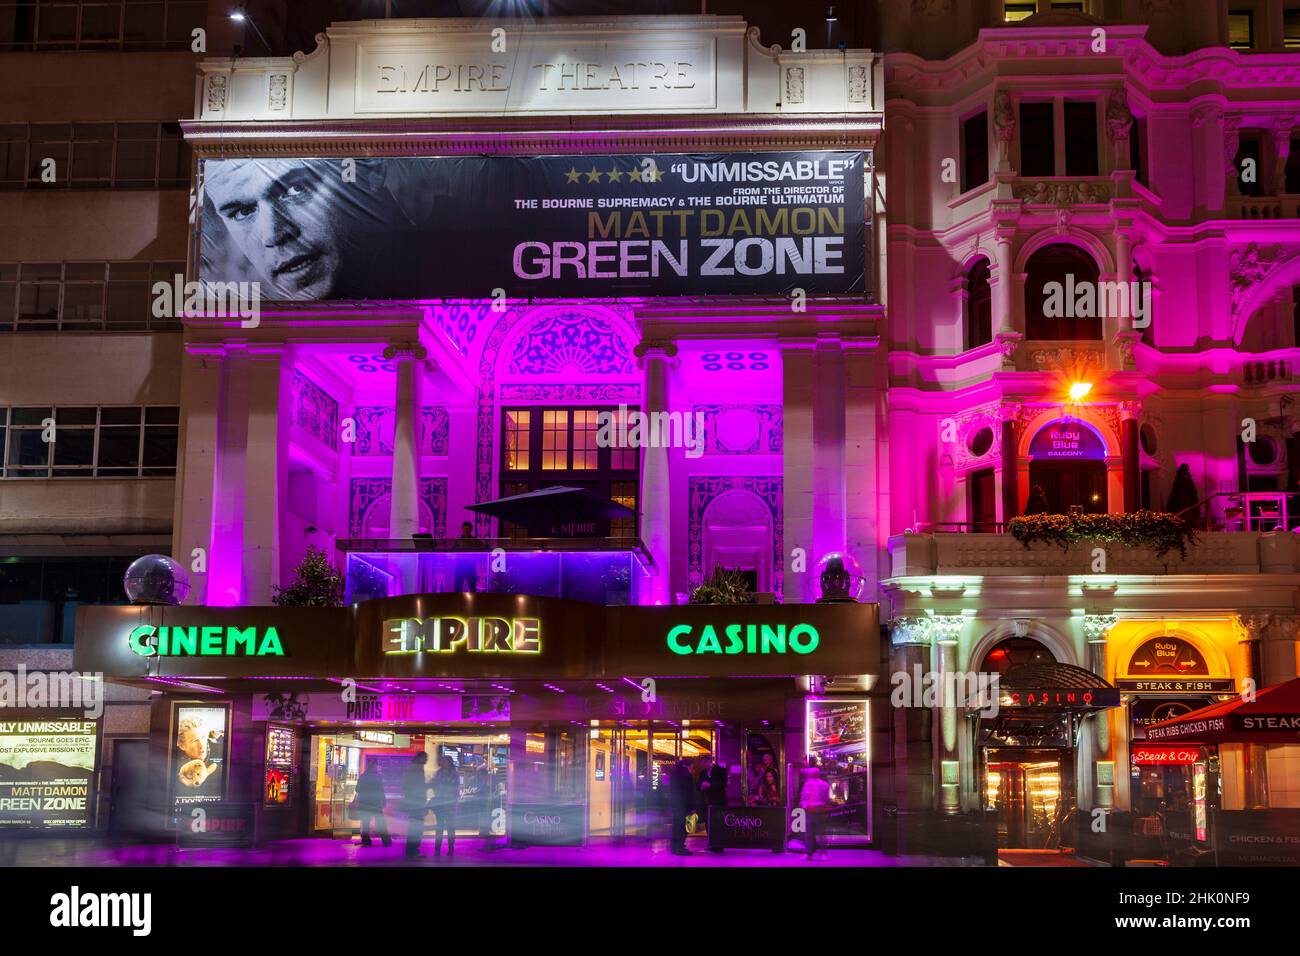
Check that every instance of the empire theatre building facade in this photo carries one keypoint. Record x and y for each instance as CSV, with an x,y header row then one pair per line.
x,y
1145,146
628,257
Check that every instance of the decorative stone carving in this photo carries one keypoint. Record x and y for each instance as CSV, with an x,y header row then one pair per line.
x,y
1207,113
1119,119
1004,127
857,84
1251,266
1066,358
1052,192
911,630
315,411
794,85
947,627
277,91
1008,343
216,93
1096,627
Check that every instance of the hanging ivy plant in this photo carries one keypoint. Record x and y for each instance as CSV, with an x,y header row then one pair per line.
x,y
1158,530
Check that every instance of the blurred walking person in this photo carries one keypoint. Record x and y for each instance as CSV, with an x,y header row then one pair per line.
x,y
371,803
446,798
415,802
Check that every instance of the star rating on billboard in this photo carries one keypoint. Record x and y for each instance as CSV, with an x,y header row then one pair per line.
x,y
614,175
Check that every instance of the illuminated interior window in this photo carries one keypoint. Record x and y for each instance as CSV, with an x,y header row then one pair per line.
x,y
518,423
555,440
584,439
1013,12
1241,29
1291,29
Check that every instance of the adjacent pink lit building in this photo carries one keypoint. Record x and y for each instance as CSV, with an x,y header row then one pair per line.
x,y
1068,145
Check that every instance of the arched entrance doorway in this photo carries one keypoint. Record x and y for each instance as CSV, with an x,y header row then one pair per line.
x,y
1067,464
1027,751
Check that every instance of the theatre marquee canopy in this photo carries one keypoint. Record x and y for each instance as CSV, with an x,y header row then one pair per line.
x,y
478,636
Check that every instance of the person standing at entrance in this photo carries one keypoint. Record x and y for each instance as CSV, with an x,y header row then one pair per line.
x,y
370,803
681,797
446,797
713,792
814,797
415,801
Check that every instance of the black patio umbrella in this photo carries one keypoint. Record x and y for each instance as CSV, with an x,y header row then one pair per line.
x,y
560,511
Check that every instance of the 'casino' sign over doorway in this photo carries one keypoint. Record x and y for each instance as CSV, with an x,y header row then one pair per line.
x,y
1067,440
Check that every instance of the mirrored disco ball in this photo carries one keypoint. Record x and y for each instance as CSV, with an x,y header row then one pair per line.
x,y
156,579
837,577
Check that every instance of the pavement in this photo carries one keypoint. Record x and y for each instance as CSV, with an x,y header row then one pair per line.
x,y
40,850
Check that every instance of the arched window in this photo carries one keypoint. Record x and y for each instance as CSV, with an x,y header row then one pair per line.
x,y
1015,651
979,306
1061,295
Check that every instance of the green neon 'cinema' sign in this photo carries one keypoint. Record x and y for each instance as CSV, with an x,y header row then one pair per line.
x,y
744,639
149,641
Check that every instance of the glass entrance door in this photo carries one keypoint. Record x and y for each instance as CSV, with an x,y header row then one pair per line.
x,y
1027,797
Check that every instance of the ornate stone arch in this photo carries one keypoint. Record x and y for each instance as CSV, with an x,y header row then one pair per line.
x,y
1079,238
1255,276
1030,427
1191,631
1060,645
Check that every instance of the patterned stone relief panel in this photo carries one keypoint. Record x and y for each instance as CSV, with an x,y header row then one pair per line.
x,y
742,429
314,411
375,430
370,499
703,490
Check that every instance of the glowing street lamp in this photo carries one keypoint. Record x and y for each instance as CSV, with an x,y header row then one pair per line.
x,y
1080,390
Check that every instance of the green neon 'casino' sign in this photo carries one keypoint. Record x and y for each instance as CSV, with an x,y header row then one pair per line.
x,y
149,641
744,639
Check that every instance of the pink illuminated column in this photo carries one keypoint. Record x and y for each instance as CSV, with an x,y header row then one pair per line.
x,y
830,500
1132,460
404,503
1004,323
655,359
196,466
226,556
797,463
266,470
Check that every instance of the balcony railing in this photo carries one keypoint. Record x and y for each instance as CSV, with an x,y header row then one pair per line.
x,y
610,571
1214,552
1264,207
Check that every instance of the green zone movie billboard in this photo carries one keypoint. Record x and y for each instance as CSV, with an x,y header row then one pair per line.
x,y
538,227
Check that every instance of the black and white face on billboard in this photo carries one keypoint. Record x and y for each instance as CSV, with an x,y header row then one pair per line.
x,y
538,227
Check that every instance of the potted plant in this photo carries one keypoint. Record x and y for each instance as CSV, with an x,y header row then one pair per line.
x,y
317,583
724,587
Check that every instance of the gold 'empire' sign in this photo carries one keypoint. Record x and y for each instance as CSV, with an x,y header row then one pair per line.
x,y
446,635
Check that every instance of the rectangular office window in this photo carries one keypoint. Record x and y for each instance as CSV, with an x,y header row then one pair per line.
x,y
89,441
1081,139
1241,29
975,151
99,24
93,155
1037,140
83,296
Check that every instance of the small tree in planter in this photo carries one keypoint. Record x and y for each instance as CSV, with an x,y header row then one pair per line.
x,y
317,583
724,587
